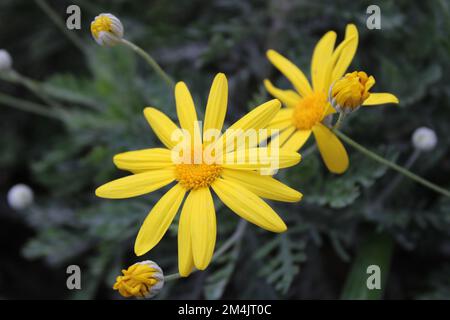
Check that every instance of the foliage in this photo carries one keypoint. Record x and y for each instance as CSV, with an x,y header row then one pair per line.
x,y
101,94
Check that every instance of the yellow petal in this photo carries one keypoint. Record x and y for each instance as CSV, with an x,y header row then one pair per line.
x,y
331,148
159,220
162,126
347,54
186,109
248,205
260,158
290,71
273,131
283,136
263,186
185,257
144,160
288,97
282,115
342,47
136,184
280,126
281,122
256,119
259,117
380,98
321,56
297,140
369,84
329,110
203,226
216,108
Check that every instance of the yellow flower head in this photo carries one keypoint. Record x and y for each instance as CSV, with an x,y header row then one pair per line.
x,y
141,280
307,106
239,185
107,29
197,176
350,92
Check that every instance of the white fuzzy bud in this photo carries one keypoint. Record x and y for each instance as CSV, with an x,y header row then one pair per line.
x,y
424,139
5,60
107,29
20,196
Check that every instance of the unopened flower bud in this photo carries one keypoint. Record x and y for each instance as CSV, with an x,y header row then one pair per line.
x,y
107,29
141,280
20,196
424,139
5,60
348,93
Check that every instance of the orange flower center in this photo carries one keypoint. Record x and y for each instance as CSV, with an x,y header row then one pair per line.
x,y
196,176
193,173
309,111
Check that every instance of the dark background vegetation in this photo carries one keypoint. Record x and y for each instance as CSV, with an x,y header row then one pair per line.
x,y
64,160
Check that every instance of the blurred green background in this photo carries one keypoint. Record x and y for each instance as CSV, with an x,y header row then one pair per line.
x,y
98,95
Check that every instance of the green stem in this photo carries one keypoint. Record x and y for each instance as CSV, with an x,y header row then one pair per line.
x,y
55,17
387,192
153,64
173,276
27,106
34,87
391,165
339,121
44,89
235,237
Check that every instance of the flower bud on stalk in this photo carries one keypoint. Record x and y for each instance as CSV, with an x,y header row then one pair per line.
x,y
424,139
348,93
141,280
20,196
107,29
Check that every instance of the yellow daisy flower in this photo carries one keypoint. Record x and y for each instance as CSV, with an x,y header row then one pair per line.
x,y
307,107
240,186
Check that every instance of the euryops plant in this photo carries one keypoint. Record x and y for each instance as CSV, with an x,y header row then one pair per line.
x,y
238,184
201,166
